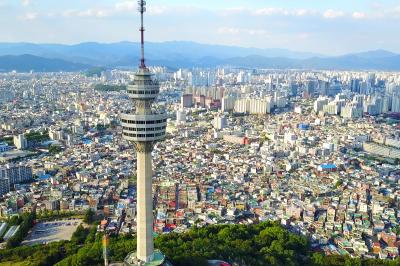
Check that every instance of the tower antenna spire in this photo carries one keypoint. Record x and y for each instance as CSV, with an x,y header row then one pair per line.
x,y
142,9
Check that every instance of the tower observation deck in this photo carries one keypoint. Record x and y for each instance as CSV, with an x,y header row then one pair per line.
x,y
143,127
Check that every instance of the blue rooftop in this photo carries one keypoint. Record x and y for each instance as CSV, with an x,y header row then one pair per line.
x,y
45,176
328,166
87,141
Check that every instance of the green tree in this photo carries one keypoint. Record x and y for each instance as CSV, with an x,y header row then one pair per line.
x,y
24,227
89,217
55,149
80,235
256,245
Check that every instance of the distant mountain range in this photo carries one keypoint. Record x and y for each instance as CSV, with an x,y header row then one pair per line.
x,y
24,57
27,63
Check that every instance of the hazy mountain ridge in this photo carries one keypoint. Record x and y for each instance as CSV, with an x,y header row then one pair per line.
x,y
176,54
26,63
163,50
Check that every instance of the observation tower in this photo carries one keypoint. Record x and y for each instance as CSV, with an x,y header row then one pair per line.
x,y
143,127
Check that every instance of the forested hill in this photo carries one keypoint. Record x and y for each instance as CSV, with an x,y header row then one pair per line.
x,y
261,244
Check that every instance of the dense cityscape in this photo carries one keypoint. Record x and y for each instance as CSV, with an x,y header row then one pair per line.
x,y
316,151
258,135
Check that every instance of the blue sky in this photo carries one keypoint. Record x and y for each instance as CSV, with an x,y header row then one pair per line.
x,y
330,27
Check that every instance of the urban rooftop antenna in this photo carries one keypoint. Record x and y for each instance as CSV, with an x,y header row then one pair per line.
x,y
142,9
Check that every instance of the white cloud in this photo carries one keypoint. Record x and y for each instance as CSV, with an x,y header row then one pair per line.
x,y
98,13
240,31
129,6
269,11
118,9
227,30
126,6
68,13
25,2
359,15
256,31
304,12
157,10
88,13
233,11
394,12
378,13
331,14
30,16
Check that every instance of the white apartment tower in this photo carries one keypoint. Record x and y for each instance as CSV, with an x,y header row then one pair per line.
x,y
227,103
20,142
320,103
352,111
396,103
220,122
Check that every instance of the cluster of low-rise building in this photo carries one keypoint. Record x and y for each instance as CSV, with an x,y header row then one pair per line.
x,y
282,156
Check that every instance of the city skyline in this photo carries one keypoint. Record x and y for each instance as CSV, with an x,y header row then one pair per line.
x,y
330,29
143,145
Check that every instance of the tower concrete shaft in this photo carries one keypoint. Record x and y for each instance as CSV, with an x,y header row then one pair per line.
x,y
145,245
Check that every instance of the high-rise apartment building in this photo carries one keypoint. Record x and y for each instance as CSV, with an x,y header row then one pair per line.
x,y
4,186
256,106
352,111
227,103
320,103
20,142
187,101
396,103
220,122
16,174
180,117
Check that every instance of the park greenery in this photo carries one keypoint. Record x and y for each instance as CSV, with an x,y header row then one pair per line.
x,y
338,183
48,215
25,222
55,149
37,137
103,127
8,140
95,71
90,216
50,254
216,151
261,244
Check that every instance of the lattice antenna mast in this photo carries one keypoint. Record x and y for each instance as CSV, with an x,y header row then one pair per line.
x,y
142,9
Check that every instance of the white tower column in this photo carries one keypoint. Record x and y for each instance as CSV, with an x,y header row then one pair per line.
x,y
143,127
145,245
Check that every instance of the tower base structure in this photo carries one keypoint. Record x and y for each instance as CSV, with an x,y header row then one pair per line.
x,y
158,260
